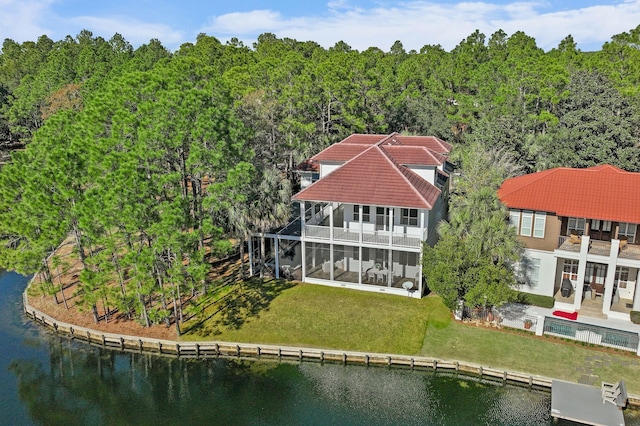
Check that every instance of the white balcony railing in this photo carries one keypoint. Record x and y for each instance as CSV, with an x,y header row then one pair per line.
x,y
376,237
315,231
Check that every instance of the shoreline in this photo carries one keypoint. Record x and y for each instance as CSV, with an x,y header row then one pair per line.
x,y
210,349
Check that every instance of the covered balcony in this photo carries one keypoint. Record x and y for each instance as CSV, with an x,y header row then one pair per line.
x,y
596,289
381,226
601,236
395,270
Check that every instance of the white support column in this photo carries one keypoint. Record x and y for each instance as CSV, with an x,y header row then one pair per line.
x,y
332,262
331,222
303,218
276,255
391,210
390,252
250,247
636,291
303,248
361,227
610,278
360,268
420,289
540,326
582,267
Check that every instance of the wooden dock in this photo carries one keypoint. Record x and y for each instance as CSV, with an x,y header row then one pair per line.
x,y
583,404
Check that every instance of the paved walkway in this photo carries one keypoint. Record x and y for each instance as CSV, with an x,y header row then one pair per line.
x,y
587,371
609,323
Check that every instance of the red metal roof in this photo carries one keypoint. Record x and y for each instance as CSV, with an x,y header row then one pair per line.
x,y
363,139
414,155
601,192
431,142
375,173
341,152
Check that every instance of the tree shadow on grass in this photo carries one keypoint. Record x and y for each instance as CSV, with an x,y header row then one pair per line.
x,y
247,301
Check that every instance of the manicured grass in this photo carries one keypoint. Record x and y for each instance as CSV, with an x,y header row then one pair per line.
x,y
276,312
520,351
322,317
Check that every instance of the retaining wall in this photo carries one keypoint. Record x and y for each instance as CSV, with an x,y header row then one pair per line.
x,y
282,353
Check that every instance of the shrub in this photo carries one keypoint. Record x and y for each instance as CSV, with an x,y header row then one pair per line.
x,y
635,317
536,300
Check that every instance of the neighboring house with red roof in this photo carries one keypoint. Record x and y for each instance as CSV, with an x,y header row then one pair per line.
x,y
580,232
374,201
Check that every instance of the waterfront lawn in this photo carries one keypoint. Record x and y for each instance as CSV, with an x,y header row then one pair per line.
x,y
275,312
521,351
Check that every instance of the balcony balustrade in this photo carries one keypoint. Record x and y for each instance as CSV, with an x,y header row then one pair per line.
x,y
375,238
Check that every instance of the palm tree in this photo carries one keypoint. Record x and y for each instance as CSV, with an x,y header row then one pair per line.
x,y
269,206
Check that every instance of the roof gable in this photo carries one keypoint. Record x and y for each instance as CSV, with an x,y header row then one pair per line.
x,y
602,192
414,155
373,178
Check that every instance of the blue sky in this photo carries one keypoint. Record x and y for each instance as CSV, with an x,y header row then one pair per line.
x,y
359,23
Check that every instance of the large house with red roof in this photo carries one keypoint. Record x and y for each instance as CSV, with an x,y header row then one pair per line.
x,y
367,205
581,237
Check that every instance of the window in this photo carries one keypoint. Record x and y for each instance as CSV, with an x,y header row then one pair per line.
x,y
576,225
606,226
514,219
405,258
409,217
627,230
570,269
366,215
538,224
533,273
382,218
366,256
525,227
622,276
595,224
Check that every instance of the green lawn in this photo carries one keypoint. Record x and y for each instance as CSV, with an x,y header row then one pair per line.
x,y
275,312
318,316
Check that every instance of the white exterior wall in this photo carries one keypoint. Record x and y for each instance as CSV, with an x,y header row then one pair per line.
x,y
432,219
413,231
629,292
326,168
547,276
427,173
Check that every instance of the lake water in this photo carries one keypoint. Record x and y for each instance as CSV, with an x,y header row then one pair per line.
x,y
51,380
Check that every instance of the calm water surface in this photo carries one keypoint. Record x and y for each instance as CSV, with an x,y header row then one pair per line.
x,y
50,380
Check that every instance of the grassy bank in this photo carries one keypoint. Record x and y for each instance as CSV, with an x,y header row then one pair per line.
x,y
316,316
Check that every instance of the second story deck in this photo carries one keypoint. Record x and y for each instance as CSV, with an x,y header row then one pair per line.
x,y
600,248
381,231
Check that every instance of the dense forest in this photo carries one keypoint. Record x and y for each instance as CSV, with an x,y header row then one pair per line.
x,y
151,160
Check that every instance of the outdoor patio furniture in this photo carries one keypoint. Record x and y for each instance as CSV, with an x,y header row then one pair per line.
x,y
371,274
614,393
381,275
566,287
586,291
623,244
326,267
574,239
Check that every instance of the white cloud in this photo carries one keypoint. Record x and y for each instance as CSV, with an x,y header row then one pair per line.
x,y
418,23
20,20
134,31
414,22
249,22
